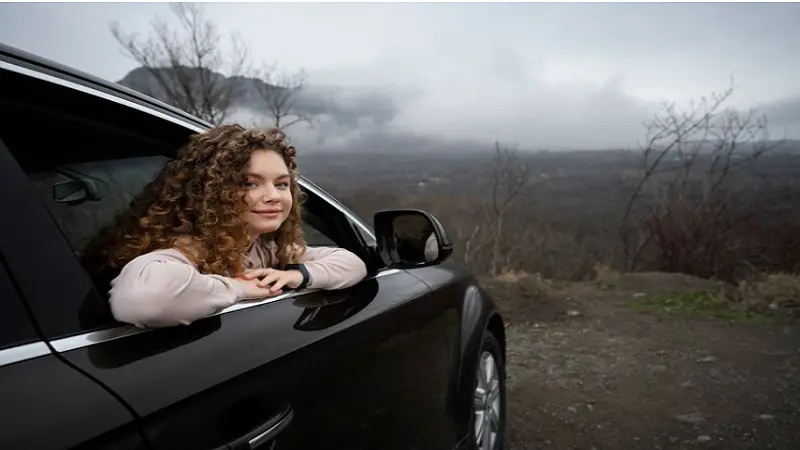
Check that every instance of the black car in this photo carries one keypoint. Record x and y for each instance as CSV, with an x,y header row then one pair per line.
x,y
412,357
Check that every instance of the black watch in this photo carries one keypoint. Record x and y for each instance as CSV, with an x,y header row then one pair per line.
x,y
303,270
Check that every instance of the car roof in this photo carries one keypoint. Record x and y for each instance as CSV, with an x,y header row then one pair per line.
x,y
34,62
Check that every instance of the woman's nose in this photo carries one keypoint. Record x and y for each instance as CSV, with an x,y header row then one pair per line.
x,y
270,194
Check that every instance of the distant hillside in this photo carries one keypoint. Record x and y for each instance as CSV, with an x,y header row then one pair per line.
x,y
143,80
344,109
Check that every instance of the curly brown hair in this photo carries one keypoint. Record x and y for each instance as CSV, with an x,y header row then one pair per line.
x,y
195,205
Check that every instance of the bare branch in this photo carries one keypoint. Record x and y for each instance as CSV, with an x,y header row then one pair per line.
x,y
669,133
187,67
689,217
279,91
508,177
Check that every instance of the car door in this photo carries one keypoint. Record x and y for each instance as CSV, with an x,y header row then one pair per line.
x,y
364,367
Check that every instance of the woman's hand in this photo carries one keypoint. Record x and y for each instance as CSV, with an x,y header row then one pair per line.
x,y
272,279
253,291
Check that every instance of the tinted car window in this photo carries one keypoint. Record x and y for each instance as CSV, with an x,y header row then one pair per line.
x,y
315,238
315,231
114,182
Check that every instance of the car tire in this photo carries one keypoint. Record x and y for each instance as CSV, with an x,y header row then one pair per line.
x,y
488,410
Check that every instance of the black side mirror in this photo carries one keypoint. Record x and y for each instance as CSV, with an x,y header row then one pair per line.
x,y
411,238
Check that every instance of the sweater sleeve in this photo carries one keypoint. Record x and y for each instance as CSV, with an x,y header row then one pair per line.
x,y
331,268
162,289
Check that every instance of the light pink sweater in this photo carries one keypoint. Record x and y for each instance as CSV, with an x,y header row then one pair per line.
x,y
163,288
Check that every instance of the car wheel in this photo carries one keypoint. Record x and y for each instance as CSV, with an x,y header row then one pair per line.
x,y
489,397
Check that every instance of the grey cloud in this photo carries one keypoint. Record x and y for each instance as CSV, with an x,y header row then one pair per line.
x,y
347,107
534,114
335,111
339,116
783,113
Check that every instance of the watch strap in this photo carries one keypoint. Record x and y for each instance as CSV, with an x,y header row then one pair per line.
x,y
303,270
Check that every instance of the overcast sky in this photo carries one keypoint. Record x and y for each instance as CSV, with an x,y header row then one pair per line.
x,y
541,75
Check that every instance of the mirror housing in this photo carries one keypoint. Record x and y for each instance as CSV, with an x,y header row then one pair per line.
x,y
75,190
409,238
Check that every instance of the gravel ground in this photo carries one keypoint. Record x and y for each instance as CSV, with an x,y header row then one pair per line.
x,y
588,371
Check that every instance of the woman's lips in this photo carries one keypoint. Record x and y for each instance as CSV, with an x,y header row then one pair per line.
x,y
272,213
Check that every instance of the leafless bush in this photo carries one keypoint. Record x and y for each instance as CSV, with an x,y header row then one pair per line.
x,y
698,205
507,176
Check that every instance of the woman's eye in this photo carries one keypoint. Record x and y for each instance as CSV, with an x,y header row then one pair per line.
x,y
283,185
250,184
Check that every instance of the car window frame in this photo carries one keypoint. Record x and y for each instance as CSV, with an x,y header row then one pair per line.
x,y
85,338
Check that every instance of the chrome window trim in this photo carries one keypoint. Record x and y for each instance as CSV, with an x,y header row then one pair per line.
x,y
97,93
122,101
23,352
34,350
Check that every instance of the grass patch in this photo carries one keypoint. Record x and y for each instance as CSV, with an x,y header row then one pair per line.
x,y
700,303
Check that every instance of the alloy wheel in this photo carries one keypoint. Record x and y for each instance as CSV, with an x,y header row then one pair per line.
x,y
486,403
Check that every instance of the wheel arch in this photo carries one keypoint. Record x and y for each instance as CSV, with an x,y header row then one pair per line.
x,y
497,327
479,316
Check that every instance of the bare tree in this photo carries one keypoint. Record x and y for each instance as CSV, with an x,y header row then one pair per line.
x,y
686,205
507,175
278,91
187,67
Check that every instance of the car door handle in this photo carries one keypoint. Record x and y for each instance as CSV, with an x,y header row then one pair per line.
x,y
264,433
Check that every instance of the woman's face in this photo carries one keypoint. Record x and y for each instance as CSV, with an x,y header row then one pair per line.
x,y
268,196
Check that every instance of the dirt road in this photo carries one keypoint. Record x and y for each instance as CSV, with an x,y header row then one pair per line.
x,y
589,371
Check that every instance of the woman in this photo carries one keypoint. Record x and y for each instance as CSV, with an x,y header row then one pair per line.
x,y
220,224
